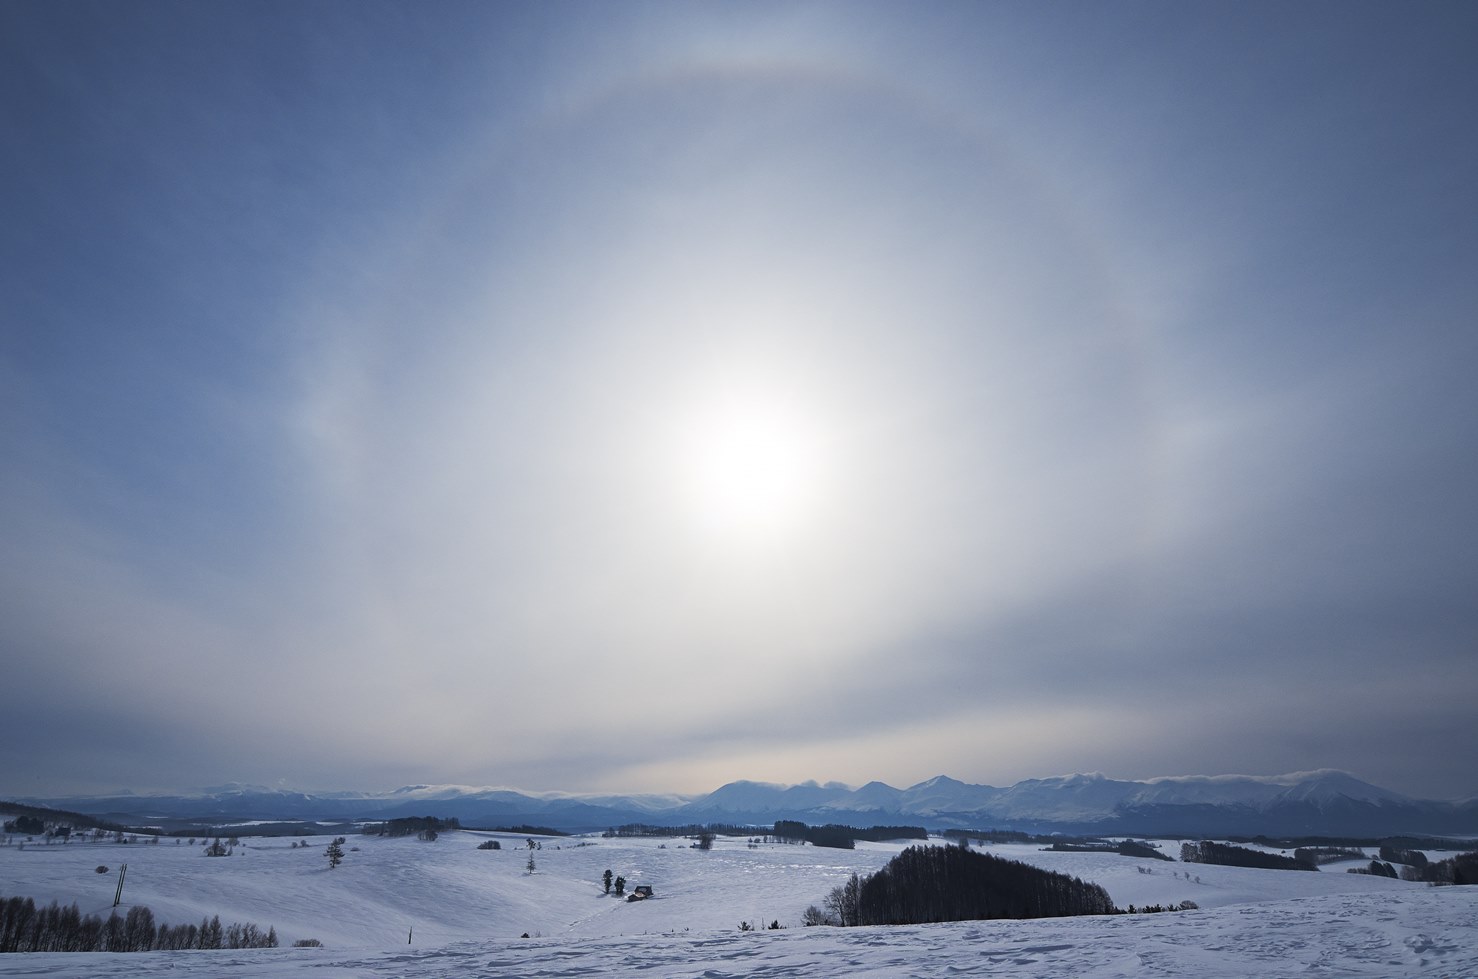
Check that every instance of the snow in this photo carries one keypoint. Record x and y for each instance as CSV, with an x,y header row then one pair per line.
x,y
468,908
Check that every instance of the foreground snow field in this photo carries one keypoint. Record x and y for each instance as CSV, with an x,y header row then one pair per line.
x,y
464,909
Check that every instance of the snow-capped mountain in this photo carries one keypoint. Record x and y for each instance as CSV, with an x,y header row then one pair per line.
x,y
1324,802
1306,803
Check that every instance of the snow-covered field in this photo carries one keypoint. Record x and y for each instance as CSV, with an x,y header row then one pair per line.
x,y
465,909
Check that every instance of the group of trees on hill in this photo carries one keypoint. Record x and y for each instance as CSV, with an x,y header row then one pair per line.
x,y
996,836
39,820
785,831
687,829
949,883
27,928
1320,855
843,837
1227,855
25,824
1391,853
425,827
1461,869
1124,848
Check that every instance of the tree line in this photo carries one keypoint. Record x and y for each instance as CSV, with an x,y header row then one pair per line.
x,y
948,883
62,817
426,827
1002,836
1461,869
843,837
1398,854
1320,855
523,829
688,829
27,928
1124,848
1227,855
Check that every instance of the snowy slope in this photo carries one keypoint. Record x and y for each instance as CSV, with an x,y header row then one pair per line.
x,y
468,907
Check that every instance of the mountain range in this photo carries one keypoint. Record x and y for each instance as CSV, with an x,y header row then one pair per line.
x,y
1318,803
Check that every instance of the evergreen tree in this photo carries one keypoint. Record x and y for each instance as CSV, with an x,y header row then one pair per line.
x,y
335,853
954,884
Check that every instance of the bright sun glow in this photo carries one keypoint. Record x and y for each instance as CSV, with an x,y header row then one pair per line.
x,y
753,466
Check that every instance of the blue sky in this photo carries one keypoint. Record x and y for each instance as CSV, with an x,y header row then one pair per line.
x,y
644,396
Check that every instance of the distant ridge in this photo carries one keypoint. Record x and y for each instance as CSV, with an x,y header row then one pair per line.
x,y
1323,802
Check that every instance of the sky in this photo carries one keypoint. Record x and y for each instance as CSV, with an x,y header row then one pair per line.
x,y
638,397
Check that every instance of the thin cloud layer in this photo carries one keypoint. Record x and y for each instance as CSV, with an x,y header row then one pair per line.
x,y
640,398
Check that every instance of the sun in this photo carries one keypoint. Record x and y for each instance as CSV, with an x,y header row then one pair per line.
x,y
752,464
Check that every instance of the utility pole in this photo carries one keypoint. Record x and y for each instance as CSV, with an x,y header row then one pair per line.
x,y
118,894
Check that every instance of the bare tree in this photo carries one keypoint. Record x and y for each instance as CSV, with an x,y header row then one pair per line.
x,y
842,903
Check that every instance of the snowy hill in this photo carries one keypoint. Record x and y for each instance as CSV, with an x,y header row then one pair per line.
x,y
406,908
1324,802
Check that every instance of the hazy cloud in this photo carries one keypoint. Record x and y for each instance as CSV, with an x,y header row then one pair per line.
x,y
664,395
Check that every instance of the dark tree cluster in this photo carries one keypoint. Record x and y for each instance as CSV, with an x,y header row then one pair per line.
x,y
27,928
837,837
1226,855
1125,848
1162,908
1461,869
425,827
949,883
490,845
45,816
292,827
525,830
1376,869
689,829
1320,855
1059,846
994,836
1397,854
843,837
877,834
29,825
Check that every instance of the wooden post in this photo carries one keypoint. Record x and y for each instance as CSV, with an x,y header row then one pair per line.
x,y
409,934
118,894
